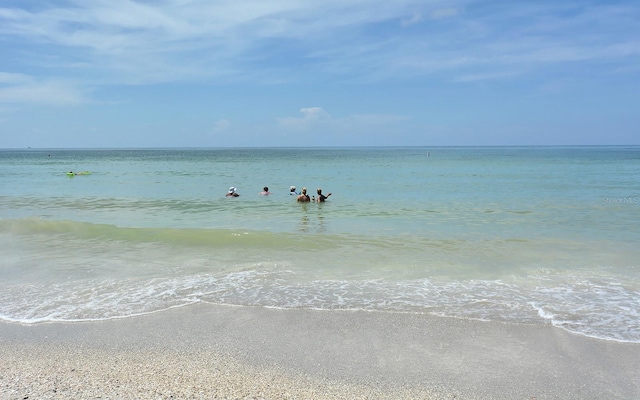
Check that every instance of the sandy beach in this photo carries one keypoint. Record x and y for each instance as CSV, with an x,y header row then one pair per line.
x,y
209,351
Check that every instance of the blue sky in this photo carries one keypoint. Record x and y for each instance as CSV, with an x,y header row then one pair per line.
x,y
191,73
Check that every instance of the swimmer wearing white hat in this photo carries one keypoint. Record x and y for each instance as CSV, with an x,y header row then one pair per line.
x,y
232,192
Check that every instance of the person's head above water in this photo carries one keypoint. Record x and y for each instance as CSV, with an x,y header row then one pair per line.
x,y
321,197
232,192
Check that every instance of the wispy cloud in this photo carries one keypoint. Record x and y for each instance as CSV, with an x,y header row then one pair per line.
x,y
7,78
135,42
487,76
316,119
221,125
24,89
444,13
311,117
125,41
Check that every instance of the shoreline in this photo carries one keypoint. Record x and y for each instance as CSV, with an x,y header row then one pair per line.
x,y
218,351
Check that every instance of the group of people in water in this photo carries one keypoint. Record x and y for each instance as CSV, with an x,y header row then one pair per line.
x,y
302,197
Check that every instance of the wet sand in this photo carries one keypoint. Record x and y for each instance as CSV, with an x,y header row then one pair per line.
x,y
208,351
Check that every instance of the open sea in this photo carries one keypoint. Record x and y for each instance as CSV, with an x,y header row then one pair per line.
x,y
530,235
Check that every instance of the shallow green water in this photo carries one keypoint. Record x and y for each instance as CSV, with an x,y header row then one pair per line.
x,y
532,234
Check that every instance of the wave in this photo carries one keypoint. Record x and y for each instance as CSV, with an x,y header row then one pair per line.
x,y
169,236
590,307
76,233
64,270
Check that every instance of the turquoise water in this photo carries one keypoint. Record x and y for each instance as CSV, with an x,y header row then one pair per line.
x,y
517,234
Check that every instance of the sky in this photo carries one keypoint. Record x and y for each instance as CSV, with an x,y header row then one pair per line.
x,y
258,73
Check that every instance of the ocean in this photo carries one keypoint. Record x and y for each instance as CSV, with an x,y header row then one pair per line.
x,y
524,235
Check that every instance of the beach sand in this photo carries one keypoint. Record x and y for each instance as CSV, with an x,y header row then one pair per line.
x,y
210,351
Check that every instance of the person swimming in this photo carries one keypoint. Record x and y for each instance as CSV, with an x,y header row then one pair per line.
x,y
232,192
321,198
304,197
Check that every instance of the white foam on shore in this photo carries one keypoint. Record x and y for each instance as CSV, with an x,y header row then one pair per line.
x,y
594,308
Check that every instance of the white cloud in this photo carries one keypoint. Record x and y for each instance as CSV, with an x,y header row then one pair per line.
x,y
24,89
444,13
440,13
314,113
124,41
315,118
14,79
135,42
478,77
414,19
222,125
311,116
